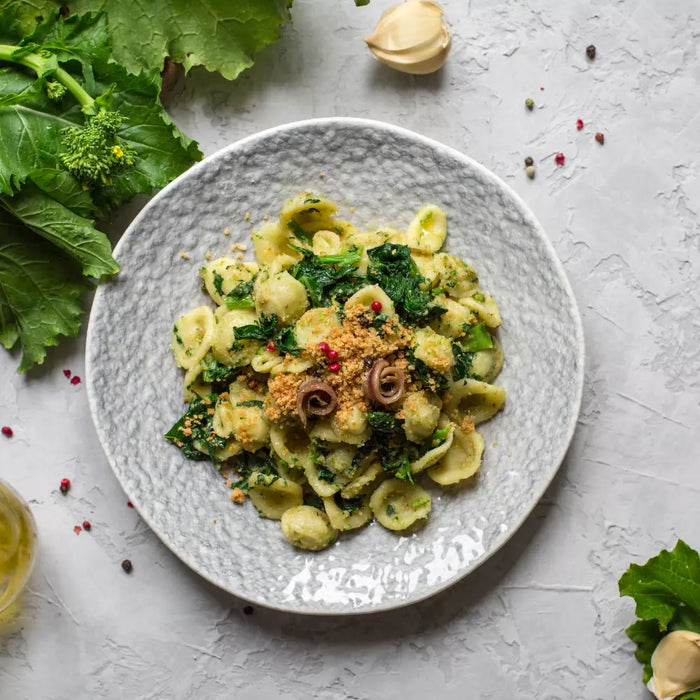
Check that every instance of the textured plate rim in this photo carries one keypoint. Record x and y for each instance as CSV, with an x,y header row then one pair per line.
x,y
558,459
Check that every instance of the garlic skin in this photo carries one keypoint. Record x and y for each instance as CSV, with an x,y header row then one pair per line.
x,y
412,37
676,665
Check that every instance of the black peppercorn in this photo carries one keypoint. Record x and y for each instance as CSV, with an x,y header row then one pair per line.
x,y
590,51
529,161
127,566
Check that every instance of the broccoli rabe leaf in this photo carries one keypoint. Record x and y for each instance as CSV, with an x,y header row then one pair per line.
x,y
321,275
263,329
240,297
194,433
463,362
40,290
429,378
286,342
215,372
666,591
393,269
349,505
384,423
476,338
246,463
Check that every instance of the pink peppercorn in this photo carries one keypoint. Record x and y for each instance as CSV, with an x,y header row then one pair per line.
x,y
7,431
130,504
75,380
86,525
271,347
324,347
332,354
600,138
334,366
377,306
66,373
559,159
579,124
65,485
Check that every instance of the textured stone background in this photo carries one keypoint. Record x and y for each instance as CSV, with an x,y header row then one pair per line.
x,y
542,619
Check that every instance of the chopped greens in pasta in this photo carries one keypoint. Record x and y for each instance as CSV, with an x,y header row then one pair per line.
x,y
340,371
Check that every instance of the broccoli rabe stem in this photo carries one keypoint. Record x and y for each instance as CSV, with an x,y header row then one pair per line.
x,y
38,64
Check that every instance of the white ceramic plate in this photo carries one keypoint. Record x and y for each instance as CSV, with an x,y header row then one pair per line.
x,y
386,173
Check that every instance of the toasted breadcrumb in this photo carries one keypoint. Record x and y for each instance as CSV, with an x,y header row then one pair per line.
x,y
227,232
237,496
207,255
185,256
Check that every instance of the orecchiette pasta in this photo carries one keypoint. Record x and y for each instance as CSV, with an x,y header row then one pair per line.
x,y
338,371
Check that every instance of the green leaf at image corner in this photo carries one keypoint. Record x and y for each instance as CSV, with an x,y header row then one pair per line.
x,y
220,35
40,291
666,591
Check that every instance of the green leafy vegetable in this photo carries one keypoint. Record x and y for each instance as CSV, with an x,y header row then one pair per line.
x,y
286,342
429,378
216,373
221,35
194,433
393,269
463,362
79,135
263,330
349,505
384,423
240,297
298,231
390,510
476,338
666,591
251,403
246,463
322,275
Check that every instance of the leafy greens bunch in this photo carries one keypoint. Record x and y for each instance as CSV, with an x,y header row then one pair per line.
x,y
82,131
666,591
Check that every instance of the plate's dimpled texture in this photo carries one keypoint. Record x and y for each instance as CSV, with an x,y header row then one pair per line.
x,y
386,174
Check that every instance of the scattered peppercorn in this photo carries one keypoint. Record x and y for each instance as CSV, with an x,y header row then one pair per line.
x,y
334,366
332,354
127,566
324,347
530,103
130,504
271,347
75,380
86,525
590,51
600,138
7,431
530,171
529,162
579,124
65,485
77,529
377,306
66,373
559,159
248,610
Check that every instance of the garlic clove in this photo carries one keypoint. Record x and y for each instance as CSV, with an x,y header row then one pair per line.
x,y
676,665
406,26
412,37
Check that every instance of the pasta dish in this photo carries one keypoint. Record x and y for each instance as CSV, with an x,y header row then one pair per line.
x,y
342,375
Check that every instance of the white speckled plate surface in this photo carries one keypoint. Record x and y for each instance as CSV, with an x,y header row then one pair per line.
x,y
386,174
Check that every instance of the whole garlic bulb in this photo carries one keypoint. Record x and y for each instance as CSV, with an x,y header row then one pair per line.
x,y
676,665
412,37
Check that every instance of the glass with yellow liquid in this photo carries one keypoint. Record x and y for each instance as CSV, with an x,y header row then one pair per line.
x,y
17,545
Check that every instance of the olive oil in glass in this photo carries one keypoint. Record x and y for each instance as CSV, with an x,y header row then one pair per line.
x,y
17,545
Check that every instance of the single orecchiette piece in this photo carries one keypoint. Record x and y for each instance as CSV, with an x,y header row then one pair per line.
x,y
462,460
315,325
363,480
451,323
477,400
368,295
192,337
222,275
270,241
350,425
485,307
454,275
308,528
428,229
193,384
434,349
435,453
280,294
487,363
312,212
265,361
290,444
326,243
399,504
342,519
422,412
225,347
273,495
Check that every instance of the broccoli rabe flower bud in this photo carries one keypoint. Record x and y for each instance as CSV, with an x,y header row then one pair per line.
x,y
93,152
55,90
